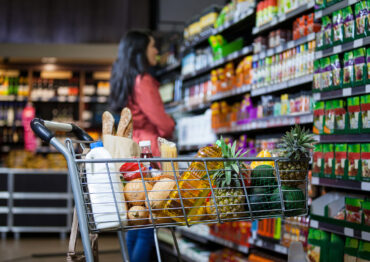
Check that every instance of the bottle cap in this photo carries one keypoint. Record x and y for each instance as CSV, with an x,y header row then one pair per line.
x,y
145,143
96,144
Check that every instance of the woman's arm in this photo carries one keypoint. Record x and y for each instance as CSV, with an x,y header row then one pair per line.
x,y
149,100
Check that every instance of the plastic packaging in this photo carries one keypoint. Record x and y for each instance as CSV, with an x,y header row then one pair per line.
x,y
365,113
354,157
318,160
361,17
349,24
337,73
360,66
328,160
353,210
348,77
329,123
337,27
341,117
328,31
341,162
354,115
319,118
365,162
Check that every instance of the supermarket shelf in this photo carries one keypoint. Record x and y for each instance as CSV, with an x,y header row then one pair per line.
x,y
32,171
95,99
16,229
11,98
212,31
269,122
205,238
235,91
41,210
342,48
5,149
168,69
350,232
269,245
237,54
284,47
60,99
341,93
284,17
346,184
331,9
17,123
4,210
189,109
348,138
283,85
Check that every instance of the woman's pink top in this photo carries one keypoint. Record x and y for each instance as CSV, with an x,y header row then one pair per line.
x,y
149,117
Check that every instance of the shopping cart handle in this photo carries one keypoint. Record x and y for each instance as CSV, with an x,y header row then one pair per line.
x,y
42,129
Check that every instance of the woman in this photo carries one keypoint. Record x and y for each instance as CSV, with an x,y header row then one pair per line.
x,y
132,86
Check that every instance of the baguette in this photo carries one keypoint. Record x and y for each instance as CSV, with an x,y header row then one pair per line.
x,y
124,121
129,130
108,123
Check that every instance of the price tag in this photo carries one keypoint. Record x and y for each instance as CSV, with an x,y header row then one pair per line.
x,y
280,249
316,96
318,54
255,30
71,99
337,49
259,243
318,14
279,49
315,180
290,44
235,55
348,232
367,89
311,37
365,186
365,235
351,2
347,91
243,249
262,55
314,224
62,99
281,18
87,99
102,99
358,43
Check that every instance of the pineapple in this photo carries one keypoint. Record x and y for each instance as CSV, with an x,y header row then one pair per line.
x,y
295,146
228,193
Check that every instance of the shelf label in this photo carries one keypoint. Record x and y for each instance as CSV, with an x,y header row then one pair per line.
x,y
365,235
243,249
314,224
351,2
259,243
318,54
318,14
358,43
87,99
279,49
290,44
270,52
347,91
348,232
255,30
337,49
316,96
365,186
234,55
367,89
280,249
102,99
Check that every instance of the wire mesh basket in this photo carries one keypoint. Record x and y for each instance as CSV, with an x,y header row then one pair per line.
x,y
185,192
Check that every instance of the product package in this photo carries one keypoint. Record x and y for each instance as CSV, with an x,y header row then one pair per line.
x,y
328,31
368,17
336,250
348,24
353,210
354,115
328,160
326,74
361,19
354,156
348,69
318,245
318,160
337,27
350,250
317,76
337,73
368,63
360,66
366,213
365,162
341,162
341,117
320,39
319,118
365,113
363,254
329,123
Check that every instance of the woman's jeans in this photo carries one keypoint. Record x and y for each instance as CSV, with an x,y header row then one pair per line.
x,y
139,244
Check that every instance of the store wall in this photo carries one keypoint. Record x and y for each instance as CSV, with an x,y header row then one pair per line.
x,y
70,21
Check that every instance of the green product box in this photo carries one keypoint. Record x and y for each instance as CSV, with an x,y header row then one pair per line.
x,y
318,245
337,27
351,249
353,210
327,26
360,77
363,254
366,213
365,162
354,161
318,160
329,164
365,113
348,75
354,115
341,161
337,72
361,19
368,61
341,117
336,250
329,122
348,24
319,118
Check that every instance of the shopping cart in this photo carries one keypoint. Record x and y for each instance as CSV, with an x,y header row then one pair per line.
x,y
185,192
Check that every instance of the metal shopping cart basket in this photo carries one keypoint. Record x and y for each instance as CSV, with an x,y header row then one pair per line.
x,y
185,192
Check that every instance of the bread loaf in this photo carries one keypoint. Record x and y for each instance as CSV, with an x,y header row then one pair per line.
x,y
108,123
126,118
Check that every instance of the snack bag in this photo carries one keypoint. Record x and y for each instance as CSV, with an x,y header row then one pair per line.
x,y
337,73
317,76
348,69
360,66
368,63
341,164
365,113
320,39
337,27
349,24
354,114
368,17
326,73
366,213
328,160
354,156
365,162
319,117
353,210
318,160
329,123
328,31
361,17
340,117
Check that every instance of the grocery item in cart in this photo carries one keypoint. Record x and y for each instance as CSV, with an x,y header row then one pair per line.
x,y
365,162
328,160
168,150
354,114
353,210
337,73
348,77
354,156
361,17
193,188
337,27
105,189
349,24
360,66
341,164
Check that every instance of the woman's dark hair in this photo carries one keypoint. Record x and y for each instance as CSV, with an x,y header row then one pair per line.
x,y
131,62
